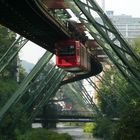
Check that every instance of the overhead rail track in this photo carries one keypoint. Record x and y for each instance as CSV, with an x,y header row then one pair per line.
x,y
96,68
41,25
26,19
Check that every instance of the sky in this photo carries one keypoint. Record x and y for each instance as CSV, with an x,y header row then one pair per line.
x,y
31,52
129,7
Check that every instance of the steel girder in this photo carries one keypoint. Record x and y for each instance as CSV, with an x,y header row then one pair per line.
x,y
101,94
35,92
12,52
113,89
85,96
109,38
76,95
115,46
22,88
38,93
79,96
50,92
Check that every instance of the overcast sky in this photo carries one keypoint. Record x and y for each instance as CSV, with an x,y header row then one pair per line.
x,y
32,52
129,7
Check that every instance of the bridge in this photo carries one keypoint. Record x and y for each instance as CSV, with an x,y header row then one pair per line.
x,y
45,24
68,116
65,119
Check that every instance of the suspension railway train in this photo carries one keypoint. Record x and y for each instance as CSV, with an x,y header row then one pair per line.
x,y
73,56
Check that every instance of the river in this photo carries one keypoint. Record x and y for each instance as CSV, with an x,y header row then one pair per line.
x,y
76,132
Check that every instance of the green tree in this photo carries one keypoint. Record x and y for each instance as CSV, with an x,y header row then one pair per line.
x,y
43,134
8,86
126,106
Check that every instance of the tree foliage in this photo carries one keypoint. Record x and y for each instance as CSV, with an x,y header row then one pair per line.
x,y
6,39
124,104
43,134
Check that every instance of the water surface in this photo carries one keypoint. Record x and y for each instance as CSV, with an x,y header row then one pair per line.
x,y
76,132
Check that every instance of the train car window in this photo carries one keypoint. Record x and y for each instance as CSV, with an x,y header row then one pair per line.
x,y
67,51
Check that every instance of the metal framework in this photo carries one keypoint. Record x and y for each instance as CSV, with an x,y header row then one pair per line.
x,y
12,52
101,93
77,96
113,89
88,103
88,100
49,93
108,37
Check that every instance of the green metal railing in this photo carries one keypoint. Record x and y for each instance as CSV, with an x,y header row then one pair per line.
x,y
109,38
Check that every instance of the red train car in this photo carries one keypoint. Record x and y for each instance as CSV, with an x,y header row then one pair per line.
x,y
72,56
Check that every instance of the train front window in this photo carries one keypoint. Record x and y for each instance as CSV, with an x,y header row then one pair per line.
x,y
66,51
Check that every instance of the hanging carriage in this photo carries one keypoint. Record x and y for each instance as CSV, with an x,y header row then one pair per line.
x,y
72,56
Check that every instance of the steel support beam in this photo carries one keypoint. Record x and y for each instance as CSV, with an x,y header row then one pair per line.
x,y
101,94
38,93
20,91
77,96
108,37
55,85
87,98
12,52
113,89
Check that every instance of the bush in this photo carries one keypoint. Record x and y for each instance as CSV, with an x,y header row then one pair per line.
x,y
88,127
103,128
128,128
74,124
43,134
